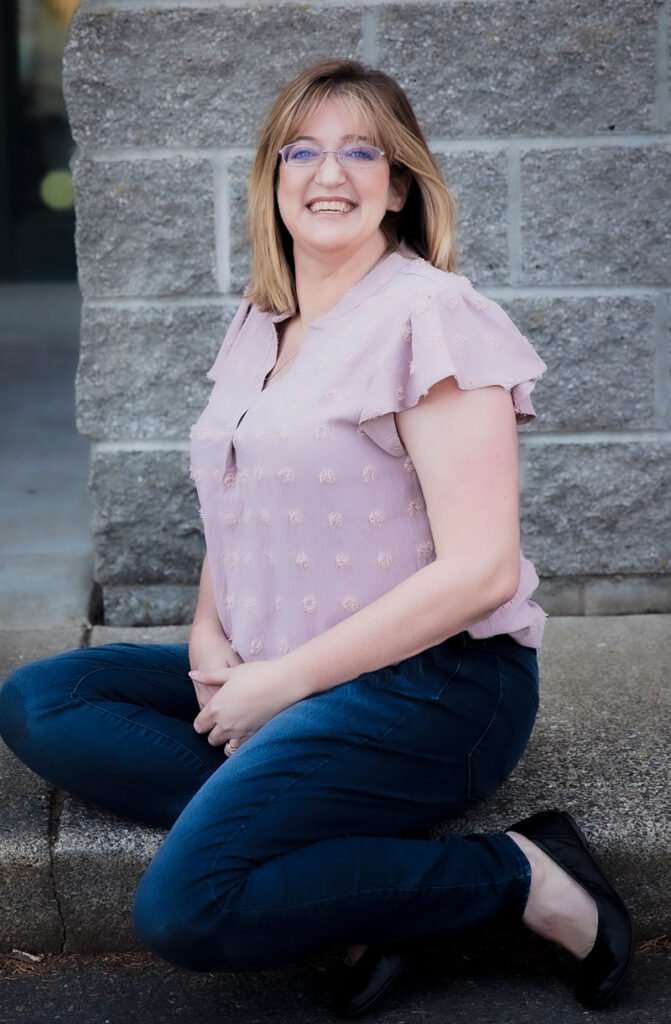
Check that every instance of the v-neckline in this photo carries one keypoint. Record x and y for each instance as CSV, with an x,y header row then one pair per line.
x,y
263,389
371,282
265,384
359,292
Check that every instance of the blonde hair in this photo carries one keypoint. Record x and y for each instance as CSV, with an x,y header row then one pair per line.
x,y
426,222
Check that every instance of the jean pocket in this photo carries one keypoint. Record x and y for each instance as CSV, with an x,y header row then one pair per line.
x,y
418,677
500,746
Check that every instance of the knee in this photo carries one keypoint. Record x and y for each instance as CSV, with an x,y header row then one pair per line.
x,y
167,923
17,699
30,701
189,928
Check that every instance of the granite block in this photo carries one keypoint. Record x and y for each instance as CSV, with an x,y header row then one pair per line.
x,y
149,605
145,227
592,346
524,67
175,77
240,252
142,369
146,526
596,216
597,508
478,181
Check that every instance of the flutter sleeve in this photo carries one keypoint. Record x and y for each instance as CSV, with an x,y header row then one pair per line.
x,y
449,330
234,328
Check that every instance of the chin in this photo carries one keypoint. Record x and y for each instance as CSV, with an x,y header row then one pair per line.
x,y
334,244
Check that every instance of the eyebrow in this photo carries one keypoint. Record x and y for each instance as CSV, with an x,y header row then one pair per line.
x,y
343,138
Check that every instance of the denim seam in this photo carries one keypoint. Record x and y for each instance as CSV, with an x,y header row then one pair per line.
x,y
519,877
487,728
138,725
432,698
526,872
449,679
122,664
318,767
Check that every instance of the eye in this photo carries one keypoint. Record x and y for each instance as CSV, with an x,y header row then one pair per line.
x,y
301,152
359,153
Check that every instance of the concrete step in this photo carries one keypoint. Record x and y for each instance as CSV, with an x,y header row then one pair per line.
x,y
600,750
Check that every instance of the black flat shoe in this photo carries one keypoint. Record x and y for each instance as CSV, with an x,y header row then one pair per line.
x,y
607,964
362,986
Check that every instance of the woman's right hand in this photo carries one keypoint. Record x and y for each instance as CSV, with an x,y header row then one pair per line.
x,y
209,649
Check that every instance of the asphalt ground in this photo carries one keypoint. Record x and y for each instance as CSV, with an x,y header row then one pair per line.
x,y
529,982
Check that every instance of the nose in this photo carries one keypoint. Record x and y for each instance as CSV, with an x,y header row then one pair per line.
x,y
330,171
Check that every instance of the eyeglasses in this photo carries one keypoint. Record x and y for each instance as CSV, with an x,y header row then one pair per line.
x,y
304,154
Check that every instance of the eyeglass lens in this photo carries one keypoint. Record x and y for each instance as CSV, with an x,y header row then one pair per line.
x,y
302,153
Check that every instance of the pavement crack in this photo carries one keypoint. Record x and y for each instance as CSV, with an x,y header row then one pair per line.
x,y
56,801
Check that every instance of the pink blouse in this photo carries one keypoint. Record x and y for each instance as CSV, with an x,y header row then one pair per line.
x,y
311,506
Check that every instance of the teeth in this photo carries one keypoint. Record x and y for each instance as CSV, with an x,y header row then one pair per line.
x,y
334,207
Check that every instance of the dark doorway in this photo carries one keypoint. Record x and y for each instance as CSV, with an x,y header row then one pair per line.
x,y
37,217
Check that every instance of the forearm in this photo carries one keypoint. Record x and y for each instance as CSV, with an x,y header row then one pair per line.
x,y
209,647
206,618
436,602
206,609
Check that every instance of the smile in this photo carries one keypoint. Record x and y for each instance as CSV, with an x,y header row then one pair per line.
x,y
332,206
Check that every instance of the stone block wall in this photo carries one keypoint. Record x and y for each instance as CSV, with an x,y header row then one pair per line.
x,y
552,123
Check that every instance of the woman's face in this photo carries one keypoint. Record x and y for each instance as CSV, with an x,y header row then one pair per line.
x,y
367,190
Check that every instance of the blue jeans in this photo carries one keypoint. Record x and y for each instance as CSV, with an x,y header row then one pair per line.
x,y
307,834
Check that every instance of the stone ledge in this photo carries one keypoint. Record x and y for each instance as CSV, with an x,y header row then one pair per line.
x,y
21,646
149,606
30,916
605,595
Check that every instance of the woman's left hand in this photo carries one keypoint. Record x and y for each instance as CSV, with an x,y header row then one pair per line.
x,y
251,694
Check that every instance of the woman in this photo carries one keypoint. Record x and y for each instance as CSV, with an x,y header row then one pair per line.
x,y
363,650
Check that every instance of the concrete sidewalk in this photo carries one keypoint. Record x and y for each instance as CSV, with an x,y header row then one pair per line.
x,y
600,749
46,552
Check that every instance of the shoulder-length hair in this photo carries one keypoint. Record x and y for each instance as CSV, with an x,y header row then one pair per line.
x,y
426,222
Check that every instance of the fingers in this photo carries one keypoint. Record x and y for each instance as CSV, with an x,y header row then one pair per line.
x,y
204,721
218,737
204,694
216,678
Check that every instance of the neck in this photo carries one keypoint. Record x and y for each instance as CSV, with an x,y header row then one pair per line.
x,y
322,280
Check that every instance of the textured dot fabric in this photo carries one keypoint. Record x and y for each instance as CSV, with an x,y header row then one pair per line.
x,y
311,505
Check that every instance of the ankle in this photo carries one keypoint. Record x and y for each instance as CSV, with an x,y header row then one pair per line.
x,y
537,867
558,908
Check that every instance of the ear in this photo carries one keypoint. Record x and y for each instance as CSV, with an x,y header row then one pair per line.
x,y
399,186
